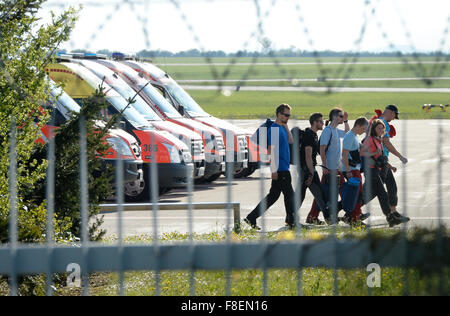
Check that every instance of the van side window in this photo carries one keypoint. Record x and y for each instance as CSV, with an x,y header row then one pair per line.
x,y
163,93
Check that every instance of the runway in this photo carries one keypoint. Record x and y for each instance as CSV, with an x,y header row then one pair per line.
x,y
423,186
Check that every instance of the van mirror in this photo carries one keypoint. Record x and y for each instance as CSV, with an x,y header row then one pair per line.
x,y
181,110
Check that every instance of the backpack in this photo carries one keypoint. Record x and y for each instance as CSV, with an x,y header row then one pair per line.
x,y
256,137
297,134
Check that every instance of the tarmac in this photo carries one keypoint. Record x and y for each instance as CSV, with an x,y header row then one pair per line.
x,y
423,188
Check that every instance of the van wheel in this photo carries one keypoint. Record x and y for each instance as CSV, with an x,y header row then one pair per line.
x,y
251,170
136,193
212,178
141,192
245,172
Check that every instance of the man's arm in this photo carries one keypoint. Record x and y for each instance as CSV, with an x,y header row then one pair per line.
x,y
273,163
323,156
345,160
393,150
308,158
347,126
291,138
325,139
309,164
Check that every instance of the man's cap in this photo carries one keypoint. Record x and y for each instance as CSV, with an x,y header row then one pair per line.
x,y
394,109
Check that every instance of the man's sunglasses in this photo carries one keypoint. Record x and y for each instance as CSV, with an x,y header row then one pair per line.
x,y
287,115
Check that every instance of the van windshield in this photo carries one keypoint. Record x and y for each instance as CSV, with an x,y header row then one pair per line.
x,y
63,98
160,101
68,102
139,105
184,99
130,113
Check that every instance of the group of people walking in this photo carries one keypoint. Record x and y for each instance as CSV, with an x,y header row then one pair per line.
x,y
340,161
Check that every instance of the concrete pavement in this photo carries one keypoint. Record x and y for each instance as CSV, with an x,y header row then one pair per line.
x,y
421,191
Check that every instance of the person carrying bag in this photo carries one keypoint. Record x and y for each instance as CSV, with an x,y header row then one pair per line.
x,y
351,167
377,165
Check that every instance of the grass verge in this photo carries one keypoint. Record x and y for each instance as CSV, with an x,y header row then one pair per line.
x,y
261,104
280,282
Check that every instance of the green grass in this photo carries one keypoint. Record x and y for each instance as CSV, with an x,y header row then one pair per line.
x,y
259,105
179,72
314,282
193,60
280,282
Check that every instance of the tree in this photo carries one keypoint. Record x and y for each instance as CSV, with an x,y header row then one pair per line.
x,y
67,168
26,47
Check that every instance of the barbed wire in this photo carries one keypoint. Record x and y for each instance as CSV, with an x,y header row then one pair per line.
x,y
346,66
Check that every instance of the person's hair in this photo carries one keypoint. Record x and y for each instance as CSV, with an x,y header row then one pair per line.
x,y
374,126
315,117
333,113
282,107
361,121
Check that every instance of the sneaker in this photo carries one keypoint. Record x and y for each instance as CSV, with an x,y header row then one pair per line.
x,y
314,221
363,217
290,226
345,219
252,225
393,220
403,219
331,221
295,226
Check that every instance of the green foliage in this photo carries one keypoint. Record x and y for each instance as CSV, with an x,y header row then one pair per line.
x,y
26,48
67,165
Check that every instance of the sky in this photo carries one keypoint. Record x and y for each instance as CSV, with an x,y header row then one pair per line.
x,y
232,25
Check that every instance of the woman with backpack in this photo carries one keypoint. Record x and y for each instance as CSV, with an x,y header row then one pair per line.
x,y
376,165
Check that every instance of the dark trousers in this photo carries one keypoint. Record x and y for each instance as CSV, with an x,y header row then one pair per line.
x,y
283,184
391,187
315,188
376,189
314,212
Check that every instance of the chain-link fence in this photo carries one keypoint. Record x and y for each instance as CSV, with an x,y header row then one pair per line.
x,y
177,166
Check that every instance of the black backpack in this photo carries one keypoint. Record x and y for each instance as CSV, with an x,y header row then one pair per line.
x,y
256,137
297,134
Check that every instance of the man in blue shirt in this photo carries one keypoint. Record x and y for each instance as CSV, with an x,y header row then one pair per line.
x,y
351,165
279,138
390,113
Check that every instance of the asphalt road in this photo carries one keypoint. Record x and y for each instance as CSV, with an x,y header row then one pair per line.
x,y
412,62
317,89
423,186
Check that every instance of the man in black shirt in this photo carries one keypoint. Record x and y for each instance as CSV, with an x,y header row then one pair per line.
x,y
308,176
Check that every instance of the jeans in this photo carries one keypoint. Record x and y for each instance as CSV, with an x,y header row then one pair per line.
x,y
315,188
314,212
283,184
